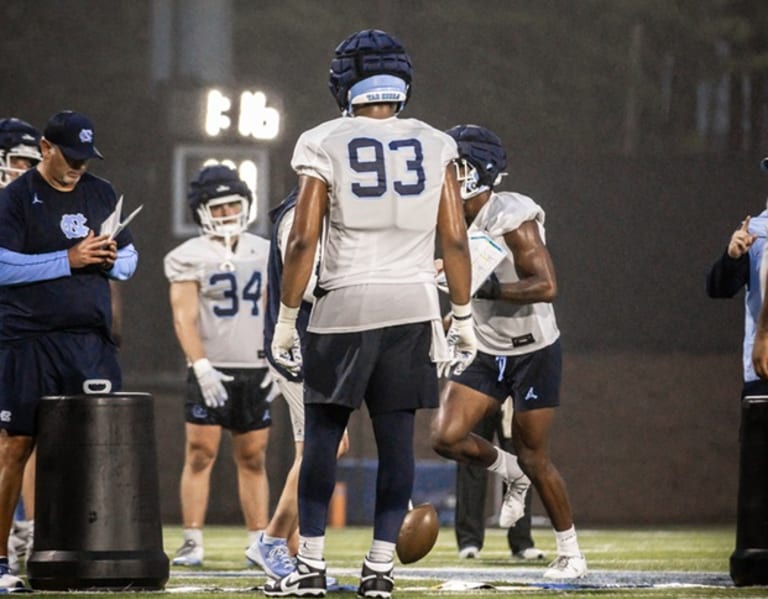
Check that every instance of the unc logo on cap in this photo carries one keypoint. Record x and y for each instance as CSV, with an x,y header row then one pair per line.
x,y
86,136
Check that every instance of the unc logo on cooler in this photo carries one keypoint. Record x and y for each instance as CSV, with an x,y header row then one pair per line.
x,y
73,226
5,415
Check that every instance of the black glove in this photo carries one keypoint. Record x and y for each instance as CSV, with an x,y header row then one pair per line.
x,y
490,289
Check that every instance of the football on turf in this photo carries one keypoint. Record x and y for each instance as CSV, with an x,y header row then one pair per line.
x,y
418,533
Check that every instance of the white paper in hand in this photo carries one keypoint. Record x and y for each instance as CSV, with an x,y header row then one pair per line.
x,y
486,255
112,226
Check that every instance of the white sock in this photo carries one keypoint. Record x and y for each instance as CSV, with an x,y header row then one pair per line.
x,y
506,465
312,547
254,535
195,534
269,540
567,543
381,551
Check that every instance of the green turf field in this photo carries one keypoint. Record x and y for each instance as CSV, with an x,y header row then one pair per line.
x,y
666,562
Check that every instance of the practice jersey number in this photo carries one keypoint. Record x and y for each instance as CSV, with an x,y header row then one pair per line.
x,y
231,305
408,150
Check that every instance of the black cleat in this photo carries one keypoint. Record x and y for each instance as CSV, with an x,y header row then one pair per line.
x,y
376,580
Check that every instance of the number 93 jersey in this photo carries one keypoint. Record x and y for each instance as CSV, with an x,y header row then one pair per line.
x,y
231,290
385,178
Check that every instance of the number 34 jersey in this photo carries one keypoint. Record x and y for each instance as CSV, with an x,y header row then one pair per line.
x,y
231,295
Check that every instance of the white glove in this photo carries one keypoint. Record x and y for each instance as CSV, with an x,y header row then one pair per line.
x,y
286,348
462,342
270,383
211,383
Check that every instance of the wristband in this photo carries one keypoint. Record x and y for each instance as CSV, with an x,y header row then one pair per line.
x,y
461,312
287,314
201,366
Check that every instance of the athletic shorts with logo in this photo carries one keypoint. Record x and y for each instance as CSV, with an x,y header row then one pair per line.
x,y
246,409
532,380
389,368
56,363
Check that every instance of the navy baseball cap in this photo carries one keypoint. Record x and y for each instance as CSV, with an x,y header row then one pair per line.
x,y
72,132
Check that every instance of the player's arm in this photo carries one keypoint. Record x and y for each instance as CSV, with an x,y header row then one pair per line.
x,y
282,244
457,264
534,266
299,257
185,305
453,240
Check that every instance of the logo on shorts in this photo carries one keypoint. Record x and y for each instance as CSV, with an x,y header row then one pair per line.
x,y
6,415
199,412
531,394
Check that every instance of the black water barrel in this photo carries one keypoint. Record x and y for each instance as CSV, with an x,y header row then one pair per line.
x,y
749,562
97,501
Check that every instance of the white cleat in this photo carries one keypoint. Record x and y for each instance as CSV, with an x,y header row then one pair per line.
x,y
9,582
567,567
274,558
189,554
513,505
469,552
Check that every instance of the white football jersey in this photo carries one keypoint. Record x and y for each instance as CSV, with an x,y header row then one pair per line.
x,y
506,328
385,178
232,296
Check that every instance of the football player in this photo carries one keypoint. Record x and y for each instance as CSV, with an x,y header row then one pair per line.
x,y
273,551
217,285
20,151
382,188
519,351
19,148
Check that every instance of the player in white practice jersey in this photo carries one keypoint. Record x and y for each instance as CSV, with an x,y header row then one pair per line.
x,y
273,551
519,351
382,188
217,283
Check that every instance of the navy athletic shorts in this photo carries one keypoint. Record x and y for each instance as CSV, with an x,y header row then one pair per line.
x,y
389,367
56,363
246,409
532,380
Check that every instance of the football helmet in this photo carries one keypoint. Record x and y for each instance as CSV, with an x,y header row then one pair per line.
x,y
214,186
482,159
368,67
18,140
